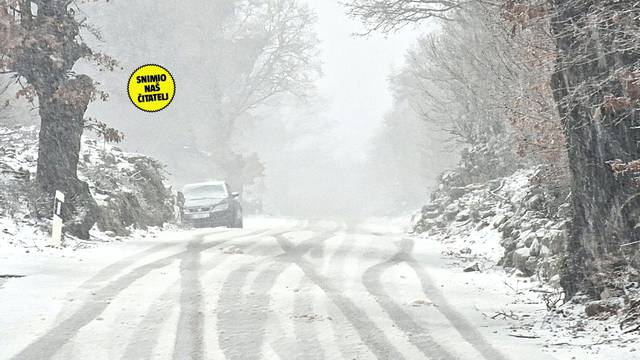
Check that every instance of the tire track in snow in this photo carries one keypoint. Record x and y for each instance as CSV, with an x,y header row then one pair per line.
x,y
146,336
337,264
340,255
189,336
111,270
47,345
417,335
373,337
241,324
462,325
305,332
309,346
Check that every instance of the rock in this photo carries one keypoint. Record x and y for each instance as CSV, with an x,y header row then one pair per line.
x,y
422,302
457,192
483,224
564,210
538,224
430,214
473,268
541,233
544,252
546,241
611,293
463,215
429,208
451,211
508,244
232,250
535,202
562,225
423,226
499,220
507,260
465,251
555,240
598,307
520,258
531,265
528,240
535,247
525,225
487,213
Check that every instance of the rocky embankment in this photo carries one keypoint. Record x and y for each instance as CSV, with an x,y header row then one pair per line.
x,y
528,221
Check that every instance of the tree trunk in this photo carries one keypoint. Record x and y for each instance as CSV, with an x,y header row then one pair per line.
x,y
590,49
62,122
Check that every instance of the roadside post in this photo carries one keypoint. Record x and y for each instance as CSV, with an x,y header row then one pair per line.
x,y
56,230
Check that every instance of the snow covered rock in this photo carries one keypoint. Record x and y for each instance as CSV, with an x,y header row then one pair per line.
x,y
463,215
451,211
555,240
535,248
499,220
515,213
595,308
520,258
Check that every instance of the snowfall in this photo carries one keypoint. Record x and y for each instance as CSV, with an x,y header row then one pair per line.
x,y
288,288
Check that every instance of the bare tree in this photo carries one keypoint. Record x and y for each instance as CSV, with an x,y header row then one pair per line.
x,y
267,52
482,84
595,87
386,16
283,55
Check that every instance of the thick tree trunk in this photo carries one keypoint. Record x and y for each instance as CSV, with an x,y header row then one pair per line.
x,y
62,113
590,49
46,46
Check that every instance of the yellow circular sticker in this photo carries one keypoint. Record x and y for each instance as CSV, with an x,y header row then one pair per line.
x,y
151,88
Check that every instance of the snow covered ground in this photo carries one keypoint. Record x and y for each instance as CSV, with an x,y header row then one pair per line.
x,y
279,288
282,288
519,306
513,229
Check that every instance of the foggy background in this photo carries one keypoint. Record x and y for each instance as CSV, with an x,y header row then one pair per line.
x,y
342,145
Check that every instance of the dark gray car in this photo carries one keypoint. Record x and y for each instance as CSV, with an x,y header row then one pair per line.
x,y
209,204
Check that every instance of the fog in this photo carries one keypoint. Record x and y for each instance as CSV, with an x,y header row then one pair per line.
x,y
322,149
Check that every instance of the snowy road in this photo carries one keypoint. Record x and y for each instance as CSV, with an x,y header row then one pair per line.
x,y
277,289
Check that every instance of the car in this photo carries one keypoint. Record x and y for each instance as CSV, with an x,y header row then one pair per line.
x,y
210,204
